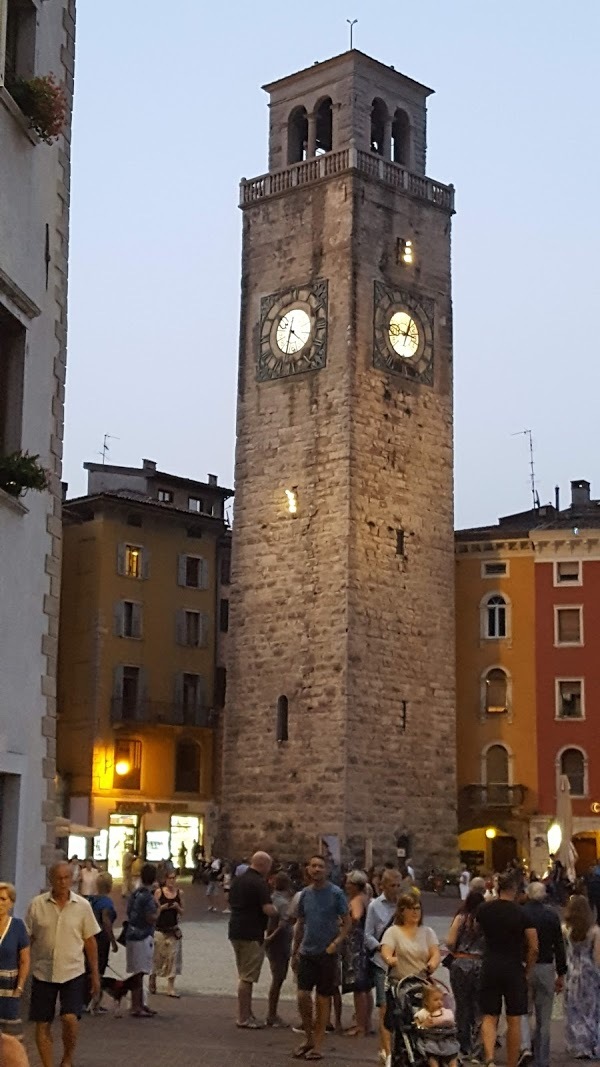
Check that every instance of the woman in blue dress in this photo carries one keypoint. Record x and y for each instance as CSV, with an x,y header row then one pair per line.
x,y
582,986
14,962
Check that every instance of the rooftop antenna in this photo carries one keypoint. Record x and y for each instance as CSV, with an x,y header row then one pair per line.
x,y
105,446
352,24
535,496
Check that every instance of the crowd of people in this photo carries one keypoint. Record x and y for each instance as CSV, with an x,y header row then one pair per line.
x,y
509,949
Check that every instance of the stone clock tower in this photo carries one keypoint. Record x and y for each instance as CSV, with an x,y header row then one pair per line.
x,y
340,715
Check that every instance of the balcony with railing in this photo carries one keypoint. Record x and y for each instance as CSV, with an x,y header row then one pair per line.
x,y
160,713
483,797
331,164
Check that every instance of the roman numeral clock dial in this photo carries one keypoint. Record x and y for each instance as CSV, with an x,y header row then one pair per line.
x,y
403,333
293,332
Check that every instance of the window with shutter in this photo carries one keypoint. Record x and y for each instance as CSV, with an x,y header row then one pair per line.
x,y
203,584
187,767
180,626
145,570
567,572
203,634
496,691
121,558
570,699
136,621
127,608
119,621
568,626
572,763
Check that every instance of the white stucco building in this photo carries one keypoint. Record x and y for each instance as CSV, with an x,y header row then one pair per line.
x,y
37,37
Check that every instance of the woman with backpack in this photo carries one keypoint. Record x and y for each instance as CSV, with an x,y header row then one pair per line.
x,y
142,912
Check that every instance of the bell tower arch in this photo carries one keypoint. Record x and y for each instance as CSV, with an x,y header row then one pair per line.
x,y
342,569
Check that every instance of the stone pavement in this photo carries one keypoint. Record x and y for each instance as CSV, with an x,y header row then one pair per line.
x,y
200,1027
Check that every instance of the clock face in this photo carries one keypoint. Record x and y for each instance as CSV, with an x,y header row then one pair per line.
x,y
403,333
293,331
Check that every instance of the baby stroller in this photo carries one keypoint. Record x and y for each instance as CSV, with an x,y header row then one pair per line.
x,y
404,999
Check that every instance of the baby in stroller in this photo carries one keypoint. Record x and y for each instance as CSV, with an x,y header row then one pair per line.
x,y
422,1025
437,1040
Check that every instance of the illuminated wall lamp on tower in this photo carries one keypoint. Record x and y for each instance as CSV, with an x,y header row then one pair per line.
x,y
292,501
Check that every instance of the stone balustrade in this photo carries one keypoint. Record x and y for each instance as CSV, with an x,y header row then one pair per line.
x,y
331,163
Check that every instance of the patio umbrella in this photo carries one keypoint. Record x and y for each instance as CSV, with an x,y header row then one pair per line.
x,y
564,818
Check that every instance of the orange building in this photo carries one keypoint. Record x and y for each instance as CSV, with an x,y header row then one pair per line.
x,y
496,719
141,677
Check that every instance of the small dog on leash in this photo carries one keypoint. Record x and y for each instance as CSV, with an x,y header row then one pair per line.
x,y
116,989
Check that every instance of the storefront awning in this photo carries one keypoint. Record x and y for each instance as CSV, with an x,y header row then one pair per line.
x,y
66,828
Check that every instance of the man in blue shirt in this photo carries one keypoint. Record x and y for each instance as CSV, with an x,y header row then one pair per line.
x,y
323,923
380,916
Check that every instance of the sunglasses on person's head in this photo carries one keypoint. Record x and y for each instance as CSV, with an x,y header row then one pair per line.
x,y
414,907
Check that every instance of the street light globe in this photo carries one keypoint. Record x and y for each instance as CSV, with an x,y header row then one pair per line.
x,y
554,838
122,767
490,833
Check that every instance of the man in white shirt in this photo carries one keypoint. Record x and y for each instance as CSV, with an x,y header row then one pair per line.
x,y
62,927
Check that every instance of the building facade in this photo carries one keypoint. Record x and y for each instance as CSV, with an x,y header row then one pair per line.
x,y
139,694
340,711
36,38
567,572
496,692
528,679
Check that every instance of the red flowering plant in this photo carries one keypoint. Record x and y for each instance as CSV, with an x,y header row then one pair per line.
x,y
44,103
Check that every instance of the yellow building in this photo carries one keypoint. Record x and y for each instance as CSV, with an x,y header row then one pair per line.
x,y
141,681
496,706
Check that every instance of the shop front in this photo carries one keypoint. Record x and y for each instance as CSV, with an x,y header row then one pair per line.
x,y
156,830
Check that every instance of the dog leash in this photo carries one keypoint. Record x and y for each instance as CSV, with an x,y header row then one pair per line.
x,y
119,976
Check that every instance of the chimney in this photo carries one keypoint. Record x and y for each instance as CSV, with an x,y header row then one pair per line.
x,y
212,479
149,464
580,493
557,497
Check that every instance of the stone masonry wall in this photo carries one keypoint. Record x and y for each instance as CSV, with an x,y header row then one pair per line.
x,y
401,609
322,609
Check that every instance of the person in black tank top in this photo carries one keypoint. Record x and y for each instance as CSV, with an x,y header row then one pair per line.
x,y
167,938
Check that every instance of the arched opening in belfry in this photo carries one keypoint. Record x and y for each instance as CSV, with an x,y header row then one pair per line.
x,y
379,114
324,126
401,138
297,135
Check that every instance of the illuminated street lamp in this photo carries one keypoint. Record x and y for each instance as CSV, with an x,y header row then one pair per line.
x,y
554,838
491,833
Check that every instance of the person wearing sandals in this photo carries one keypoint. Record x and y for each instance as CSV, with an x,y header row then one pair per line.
x,y
356,977
322,926
142,913
251,908
167,936
278,944
14,963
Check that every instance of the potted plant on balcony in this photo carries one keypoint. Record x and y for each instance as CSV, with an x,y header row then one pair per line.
x,y
20,471
44,103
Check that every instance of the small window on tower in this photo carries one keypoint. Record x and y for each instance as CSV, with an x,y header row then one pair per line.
x,y
400,542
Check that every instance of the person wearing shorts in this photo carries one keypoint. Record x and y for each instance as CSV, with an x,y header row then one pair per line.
x,y
380,916
323,923
61,926
251,907
510,952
